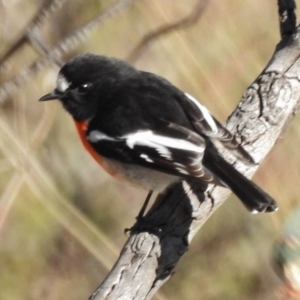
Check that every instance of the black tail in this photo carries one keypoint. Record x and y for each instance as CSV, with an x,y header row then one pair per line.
x,y
252,196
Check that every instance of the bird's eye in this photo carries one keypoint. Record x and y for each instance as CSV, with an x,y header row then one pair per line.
x,y
84,88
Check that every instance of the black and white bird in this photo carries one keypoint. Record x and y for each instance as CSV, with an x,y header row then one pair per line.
x,y
145,131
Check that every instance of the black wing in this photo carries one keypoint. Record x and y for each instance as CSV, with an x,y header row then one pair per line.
x,y
207,125
171,149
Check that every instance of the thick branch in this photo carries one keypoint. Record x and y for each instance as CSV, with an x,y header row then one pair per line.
x,y
149,258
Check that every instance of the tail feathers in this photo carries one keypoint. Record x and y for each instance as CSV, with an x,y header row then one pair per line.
x,y
252,196
238,151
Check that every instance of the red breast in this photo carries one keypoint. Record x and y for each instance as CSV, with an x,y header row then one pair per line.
x,y
82,127
134,175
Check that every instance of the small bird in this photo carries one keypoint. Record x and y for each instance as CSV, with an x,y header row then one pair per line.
x,y
143,130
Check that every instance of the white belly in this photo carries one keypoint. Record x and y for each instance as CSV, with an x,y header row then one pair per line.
x,y
137,176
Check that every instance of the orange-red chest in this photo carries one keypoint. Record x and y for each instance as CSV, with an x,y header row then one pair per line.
x,y
82,128
134,175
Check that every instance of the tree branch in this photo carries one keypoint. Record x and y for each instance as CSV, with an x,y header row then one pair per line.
x,y
287,17
43,13
65,46
152,36
149,257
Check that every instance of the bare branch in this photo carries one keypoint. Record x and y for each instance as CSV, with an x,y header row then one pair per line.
x,y
152,36
43,13
55,55
149,257
79,35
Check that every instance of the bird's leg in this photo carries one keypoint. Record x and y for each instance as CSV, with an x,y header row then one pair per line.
x,y
144,207
141,224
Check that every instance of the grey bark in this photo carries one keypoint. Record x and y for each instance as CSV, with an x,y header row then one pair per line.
x,y
149,257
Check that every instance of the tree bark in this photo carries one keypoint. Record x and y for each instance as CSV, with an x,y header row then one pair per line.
x,y
149,256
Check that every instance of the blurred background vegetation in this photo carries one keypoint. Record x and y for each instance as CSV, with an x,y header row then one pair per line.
x,y
62,218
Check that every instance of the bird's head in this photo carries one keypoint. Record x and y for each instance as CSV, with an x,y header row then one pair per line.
x,y
86,82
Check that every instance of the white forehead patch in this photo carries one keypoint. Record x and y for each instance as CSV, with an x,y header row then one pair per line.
x,y
62,83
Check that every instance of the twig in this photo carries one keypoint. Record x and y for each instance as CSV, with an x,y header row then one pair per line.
x,y
287,17
65,46
152,36
80,34
43,13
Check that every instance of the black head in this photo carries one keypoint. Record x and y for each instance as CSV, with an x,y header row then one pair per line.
x,y
86,82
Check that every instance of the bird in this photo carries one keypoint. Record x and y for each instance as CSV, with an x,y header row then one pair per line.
x,y
146,132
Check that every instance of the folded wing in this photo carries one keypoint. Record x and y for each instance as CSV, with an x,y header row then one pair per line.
x,y
207,125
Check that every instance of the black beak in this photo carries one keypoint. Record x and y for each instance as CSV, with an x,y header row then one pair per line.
x,y
51,96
